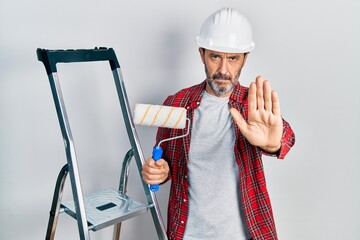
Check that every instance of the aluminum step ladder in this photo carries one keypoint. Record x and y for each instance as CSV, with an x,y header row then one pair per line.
x,y
109,207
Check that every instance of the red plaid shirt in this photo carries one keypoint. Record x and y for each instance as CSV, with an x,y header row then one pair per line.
x,y
255,199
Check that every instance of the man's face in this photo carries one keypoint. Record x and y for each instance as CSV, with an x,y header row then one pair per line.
x,y
222,71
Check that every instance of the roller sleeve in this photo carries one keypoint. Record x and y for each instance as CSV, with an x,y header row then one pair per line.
x,y
160,116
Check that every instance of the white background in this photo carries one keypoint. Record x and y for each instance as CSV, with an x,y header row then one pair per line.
x,y
307,49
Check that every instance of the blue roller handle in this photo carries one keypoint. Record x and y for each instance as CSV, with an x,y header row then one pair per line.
x,y
157,153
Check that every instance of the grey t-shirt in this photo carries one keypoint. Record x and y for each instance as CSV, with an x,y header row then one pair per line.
x,y
215,211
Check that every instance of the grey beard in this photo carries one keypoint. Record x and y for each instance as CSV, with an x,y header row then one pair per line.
x,y
219,91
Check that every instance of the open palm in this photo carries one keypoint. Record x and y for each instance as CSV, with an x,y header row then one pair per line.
x,y
264,126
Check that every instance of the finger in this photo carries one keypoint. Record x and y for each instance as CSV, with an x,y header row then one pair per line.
x,y
267,96
252,98
150,167
153,170
150,162
239,120
259,92
160,163
153,179
275,103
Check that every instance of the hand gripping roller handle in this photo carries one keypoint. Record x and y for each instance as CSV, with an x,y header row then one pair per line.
x,y
161,116
158,151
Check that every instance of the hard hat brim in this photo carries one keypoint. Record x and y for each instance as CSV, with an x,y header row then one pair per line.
x,y
239,49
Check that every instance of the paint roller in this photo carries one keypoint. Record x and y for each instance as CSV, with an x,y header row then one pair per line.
x,y
161,116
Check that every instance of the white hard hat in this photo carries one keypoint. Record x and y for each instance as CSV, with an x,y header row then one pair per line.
x,y
226,30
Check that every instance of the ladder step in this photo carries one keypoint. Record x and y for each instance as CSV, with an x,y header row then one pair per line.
x,y
107,208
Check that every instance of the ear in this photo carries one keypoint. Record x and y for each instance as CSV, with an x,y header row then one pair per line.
x,y
202,54
245,57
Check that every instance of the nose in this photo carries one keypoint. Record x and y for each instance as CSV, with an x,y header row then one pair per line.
x,y
223,67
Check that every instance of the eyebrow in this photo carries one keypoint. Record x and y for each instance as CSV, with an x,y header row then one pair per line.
x,y
214,55
237,56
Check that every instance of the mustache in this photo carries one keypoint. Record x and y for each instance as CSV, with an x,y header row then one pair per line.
x,y
221,76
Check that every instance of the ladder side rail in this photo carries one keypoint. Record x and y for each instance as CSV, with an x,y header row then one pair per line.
x,y
55,206
125,169
71,156
139,157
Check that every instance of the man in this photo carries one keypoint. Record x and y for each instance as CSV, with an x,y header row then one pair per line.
x,y
218,189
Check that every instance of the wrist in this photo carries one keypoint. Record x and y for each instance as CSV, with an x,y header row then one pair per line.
x,y
271,149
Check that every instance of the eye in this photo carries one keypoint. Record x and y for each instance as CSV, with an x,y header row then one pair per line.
x,y
233,58
215,56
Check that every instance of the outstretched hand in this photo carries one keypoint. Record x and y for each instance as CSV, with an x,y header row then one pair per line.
x,y
264,126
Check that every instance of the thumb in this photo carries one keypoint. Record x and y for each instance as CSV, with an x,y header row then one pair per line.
x,y
238,119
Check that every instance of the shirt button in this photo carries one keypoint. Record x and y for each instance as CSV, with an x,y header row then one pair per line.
x,y
184,200
182,222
